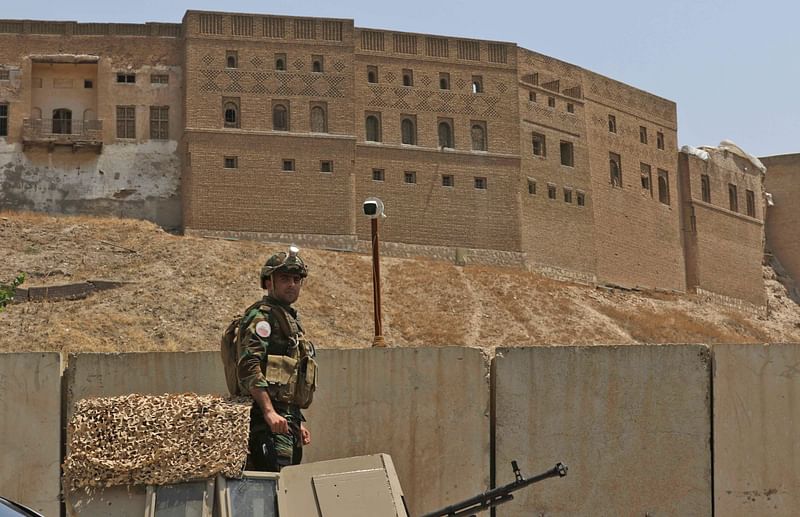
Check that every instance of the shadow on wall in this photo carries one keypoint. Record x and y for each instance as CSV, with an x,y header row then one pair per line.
x,y
782,276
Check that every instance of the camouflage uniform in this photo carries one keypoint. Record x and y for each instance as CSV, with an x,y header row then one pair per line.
x,y
268,451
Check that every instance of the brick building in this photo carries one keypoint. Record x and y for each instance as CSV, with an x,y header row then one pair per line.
x,y
278,127
783,216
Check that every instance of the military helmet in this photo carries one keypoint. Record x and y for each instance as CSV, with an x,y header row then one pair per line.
x,y
289,262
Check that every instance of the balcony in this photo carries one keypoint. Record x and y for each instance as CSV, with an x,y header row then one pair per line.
x,y
77,134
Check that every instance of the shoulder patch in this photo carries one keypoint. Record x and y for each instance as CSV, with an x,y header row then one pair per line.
x,y
263,330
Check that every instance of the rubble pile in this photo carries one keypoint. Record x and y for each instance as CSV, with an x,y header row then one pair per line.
x,y
157,440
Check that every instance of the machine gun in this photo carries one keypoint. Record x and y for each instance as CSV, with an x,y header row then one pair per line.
x,y
496,496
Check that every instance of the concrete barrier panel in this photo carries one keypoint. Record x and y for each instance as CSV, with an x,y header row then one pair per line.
x,y
632,423
426,407
757,429
30,429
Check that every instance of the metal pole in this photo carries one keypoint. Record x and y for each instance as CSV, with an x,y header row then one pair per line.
x,y
376,287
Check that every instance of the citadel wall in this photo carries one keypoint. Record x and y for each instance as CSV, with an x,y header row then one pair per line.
x,y
783,218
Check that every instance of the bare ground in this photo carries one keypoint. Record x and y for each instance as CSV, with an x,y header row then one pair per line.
x,y
185,290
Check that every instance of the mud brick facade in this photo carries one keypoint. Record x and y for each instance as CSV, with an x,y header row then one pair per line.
x,y
280,127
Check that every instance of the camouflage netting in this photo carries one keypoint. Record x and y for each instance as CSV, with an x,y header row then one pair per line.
x,y
140,439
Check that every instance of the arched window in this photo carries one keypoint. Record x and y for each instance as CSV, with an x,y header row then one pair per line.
x,y
231,110
373,129
372,76
478,138
316,66
408,131
407,80
280,64
280,118
231,62
62,121
445,135
318,121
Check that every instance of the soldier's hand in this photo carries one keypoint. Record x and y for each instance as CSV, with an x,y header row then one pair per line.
x,y
305,434
277,424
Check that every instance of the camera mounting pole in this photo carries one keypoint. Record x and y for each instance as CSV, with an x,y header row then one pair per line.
x,y
373,208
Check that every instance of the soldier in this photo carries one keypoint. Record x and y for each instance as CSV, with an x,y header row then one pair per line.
x,y
276,366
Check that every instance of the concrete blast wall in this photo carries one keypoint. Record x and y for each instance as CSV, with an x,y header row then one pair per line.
x,y
632,423
756,429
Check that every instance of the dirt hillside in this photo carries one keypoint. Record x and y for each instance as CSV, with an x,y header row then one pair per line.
x,y
184,290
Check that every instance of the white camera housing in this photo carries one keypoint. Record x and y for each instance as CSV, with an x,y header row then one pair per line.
x,y
373,208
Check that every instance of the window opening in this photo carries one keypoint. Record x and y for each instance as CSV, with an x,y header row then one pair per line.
x,y
615,167
373,129
663,186
567,154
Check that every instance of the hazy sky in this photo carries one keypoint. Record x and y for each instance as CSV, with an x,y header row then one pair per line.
x,y
732,66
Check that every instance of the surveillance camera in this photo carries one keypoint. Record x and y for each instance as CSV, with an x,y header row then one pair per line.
x,y
373,208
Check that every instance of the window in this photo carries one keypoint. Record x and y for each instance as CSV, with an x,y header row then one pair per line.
x,y
532,96
159,122
128,78
478,133
231,59
531,186
372,74
319,119
231,162
288,165
750,197
446,134
280,116
480,183
317,64
159,79
647,178
567,195
612,124
62,121
230,109
88,84
551,102
570,107
444,81
615,167
581,198
326,166
410,177
643,134
126,122
567,154
408,77
477,84
447,180
705,187
733,197
3,119
539,145
408,130
373,126
551,191
4,74
377,175
280,62
663,186
660,140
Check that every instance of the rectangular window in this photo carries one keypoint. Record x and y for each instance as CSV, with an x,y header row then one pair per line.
x,y
581,198
410,177
647,178
159,79
447,180
159,122
444,81
615,169
4,74
531,186
3,119
126,122
551,191
378,175
231,162
480,183
88,84
532,96
570,108
408,77
288,165
127,78
612,124
551,102
280,62
372,74
539,145
750,196
567,157
733,197
663,186
317,63
705,187
643,134
567,195
326,166
660,140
